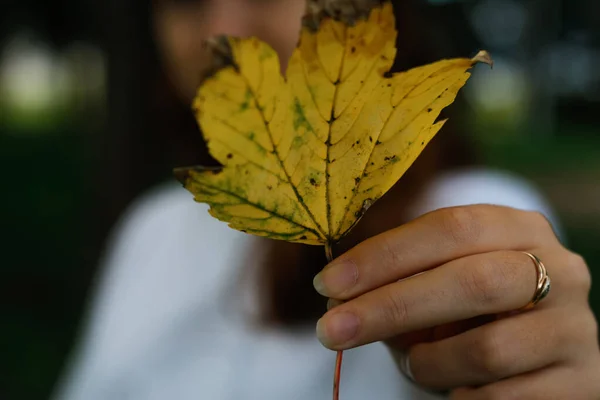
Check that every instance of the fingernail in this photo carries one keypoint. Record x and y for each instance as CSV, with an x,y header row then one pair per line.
x,y
337,329
336,278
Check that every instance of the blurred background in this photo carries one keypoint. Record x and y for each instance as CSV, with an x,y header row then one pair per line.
x,y
79,80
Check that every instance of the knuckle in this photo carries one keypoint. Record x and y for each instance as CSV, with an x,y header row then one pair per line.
x,y
540,220
578,273
487,356
395,311
388,251
586,328
461,224
593,327
542,226
486,285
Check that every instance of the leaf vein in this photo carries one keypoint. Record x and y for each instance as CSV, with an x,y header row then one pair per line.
x,y
378,135
281,163
248,202
233,128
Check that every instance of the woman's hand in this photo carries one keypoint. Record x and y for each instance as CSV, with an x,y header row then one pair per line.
x,y
460,320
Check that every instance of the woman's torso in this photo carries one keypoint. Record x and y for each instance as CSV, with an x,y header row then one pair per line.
x,y
170,321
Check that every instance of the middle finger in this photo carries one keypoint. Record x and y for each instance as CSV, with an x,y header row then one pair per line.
x,y
430,241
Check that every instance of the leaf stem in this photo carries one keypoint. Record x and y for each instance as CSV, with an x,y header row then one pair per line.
x,y
337,375
338,360
329,251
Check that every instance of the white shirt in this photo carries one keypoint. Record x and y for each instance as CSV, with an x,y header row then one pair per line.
x,y
167,321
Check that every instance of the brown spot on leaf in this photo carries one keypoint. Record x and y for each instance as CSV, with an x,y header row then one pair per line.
x,y
357,180
353,50
229,156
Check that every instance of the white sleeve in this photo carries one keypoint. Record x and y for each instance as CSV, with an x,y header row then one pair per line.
x,y
157,270
479,186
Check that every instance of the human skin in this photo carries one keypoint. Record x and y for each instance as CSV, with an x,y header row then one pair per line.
x,y
473,263
460,321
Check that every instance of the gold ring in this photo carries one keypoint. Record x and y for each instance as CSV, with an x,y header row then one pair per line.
x,y
543,282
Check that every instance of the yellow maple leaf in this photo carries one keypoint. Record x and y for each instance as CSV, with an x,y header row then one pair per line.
x,y
305,155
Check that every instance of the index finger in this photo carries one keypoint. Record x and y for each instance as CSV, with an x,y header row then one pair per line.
x,y
429,241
